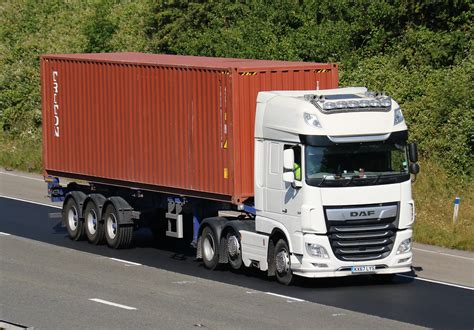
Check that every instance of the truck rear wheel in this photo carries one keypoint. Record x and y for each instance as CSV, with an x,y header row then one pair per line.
x,y
284,274
74,225
118,236
209,248
93,225
234,250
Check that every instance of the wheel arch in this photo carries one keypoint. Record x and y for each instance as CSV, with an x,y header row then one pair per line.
x,y
126,213
79,197
217,225
99,200
274,237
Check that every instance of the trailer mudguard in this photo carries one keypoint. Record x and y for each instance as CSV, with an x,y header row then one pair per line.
x,y
99,200
126,214
79,197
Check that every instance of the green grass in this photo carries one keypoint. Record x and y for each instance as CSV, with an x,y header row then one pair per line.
x,y
433,191
22,153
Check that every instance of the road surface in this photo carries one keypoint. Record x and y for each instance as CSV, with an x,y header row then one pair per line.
x,y
49,281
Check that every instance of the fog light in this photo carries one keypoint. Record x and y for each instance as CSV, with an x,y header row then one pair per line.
x,y
401,261
320,265
404,246
317,251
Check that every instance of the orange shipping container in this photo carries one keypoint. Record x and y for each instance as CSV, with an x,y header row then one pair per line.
x,y
176,124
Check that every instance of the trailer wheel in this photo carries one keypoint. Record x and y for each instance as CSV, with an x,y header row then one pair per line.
x,y
74,225
93,225
284,274
118,236
209,248
234,250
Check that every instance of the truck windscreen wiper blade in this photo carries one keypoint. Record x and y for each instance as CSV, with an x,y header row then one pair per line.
x,y
322,181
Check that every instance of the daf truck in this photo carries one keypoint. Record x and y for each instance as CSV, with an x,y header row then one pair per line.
x,y
264,164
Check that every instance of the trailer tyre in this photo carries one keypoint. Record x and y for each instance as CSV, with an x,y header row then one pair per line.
x,y
93,225
74,225
284,274
209,248
118,236
234,250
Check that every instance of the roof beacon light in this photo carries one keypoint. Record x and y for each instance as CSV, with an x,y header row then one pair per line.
x,y
343,103
386,102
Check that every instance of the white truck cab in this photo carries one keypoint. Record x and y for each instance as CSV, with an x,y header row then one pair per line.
x,y
332,180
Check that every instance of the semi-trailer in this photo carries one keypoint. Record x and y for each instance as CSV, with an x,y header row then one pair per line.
x,y
317,177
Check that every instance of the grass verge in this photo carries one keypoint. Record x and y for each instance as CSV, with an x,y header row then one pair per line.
x,y
23,153
433,191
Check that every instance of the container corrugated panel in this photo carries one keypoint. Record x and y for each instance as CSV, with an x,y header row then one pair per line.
x,y
177,124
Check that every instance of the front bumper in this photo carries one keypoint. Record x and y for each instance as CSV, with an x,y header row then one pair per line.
x,y
308,266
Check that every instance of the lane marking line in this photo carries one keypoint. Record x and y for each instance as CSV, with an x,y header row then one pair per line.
x,y
437,282
126,262
28,201
112,304
22,176
444,254
282,296
4,234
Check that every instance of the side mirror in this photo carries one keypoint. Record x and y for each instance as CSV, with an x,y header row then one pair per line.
x,y
288,160
289,177
413,152
414,168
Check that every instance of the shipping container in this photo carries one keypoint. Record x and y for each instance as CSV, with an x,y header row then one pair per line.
x,y
176,124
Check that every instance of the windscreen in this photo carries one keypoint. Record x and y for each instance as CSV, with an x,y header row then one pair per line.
x,y
356,164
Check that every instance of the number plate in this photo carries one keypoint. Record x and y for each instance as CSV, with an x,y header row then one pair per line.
x,y
362,269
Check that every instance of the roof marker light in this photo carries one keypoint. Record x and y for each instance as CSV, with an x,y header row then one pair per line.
x,y
312,120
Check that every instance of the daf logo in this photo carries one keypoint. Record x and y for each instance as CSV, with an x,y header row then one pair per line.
x,y
358,214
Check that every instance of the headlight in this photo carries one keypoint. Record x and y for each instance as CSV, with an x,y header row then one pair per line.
x,y
398,117
317,251
311,120
404,246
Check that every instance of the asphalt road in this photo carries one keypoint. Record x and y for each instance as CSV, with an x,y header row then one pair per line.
x,y
49,281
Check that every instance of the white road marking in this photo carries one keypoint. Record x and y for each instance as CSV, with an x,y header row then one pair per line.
x,y
126,262
22,176
184,282
4,234
437,282
112,304
444,254
31,202
282,296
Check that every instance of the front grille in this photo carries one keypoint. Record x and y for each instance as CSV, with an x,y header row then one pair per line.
x,y
354,236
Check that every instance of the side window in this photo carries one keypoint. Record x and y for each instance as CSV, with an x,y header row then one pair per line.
x,y
297,167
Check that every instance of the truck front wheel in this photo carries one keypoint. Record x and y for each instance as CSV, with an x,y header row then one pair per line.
x,y
209,248
118,236
282,262
74,225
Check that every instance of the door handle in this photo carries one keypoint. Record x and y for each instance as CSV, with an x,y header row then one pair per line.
x,y
284,210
